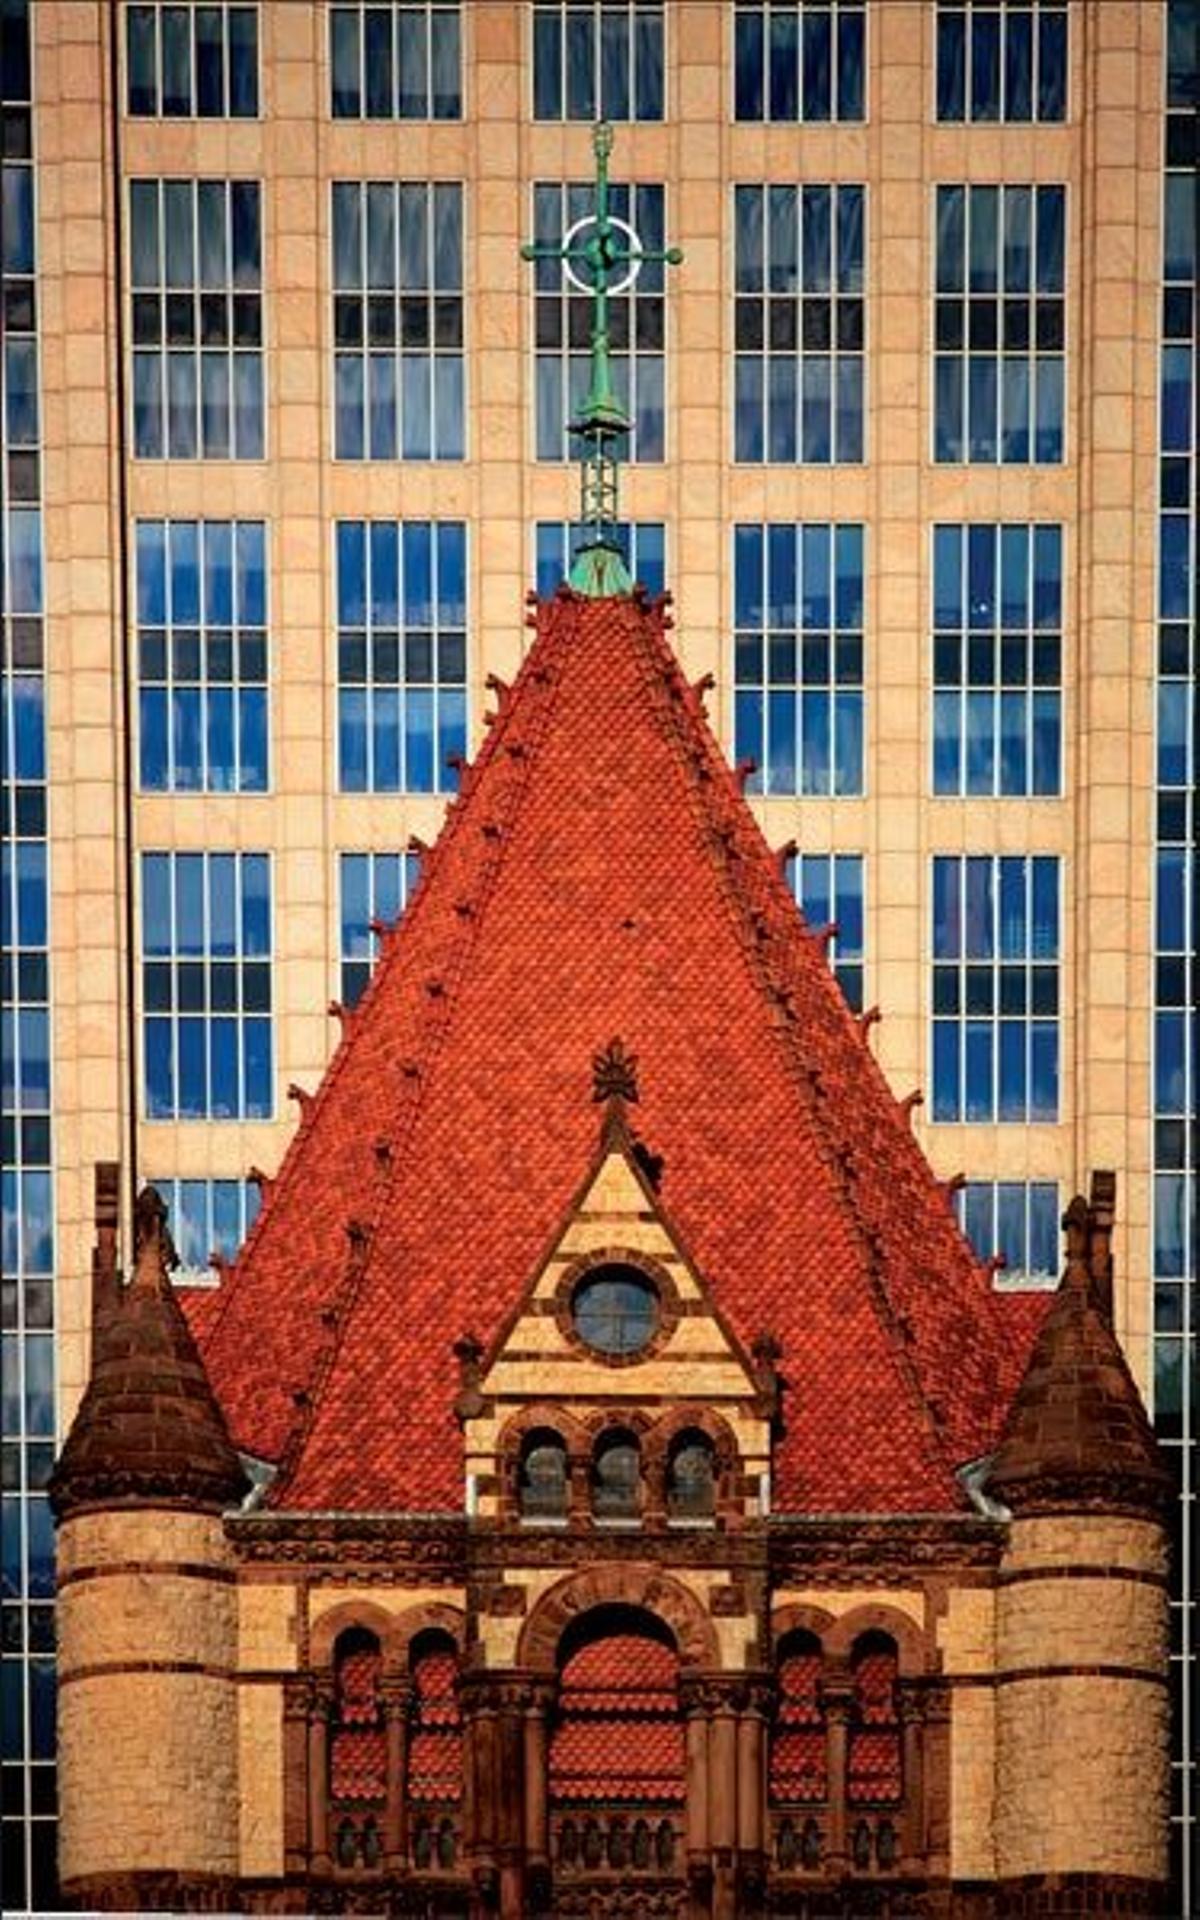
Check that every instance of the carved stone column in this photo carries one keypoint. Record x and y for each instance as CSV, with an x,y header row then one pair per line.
x,y
935,1781
537,1815
912,1723
512,1701
752,1795
695,1704
723,1802
320,1712
481,1780
397,1700
837,1696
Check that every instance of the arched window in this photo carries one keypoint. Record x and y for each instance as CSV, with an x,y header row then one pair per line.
x,y
617,1770
617,1476
542,1476
434,1751
798,1756
874,1775
691,1477
357,1752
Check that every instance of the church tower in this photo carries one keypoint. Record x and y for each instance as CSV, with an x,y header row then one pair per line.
x,y
147,1623
624,1540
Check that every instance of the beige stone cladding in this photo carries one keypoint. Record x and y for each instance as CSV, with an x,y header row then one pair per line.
x,y
147,1697
1082,1704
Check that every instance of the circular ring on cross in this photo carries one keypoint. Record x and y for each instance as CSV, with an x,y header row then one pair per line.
x,y
592,248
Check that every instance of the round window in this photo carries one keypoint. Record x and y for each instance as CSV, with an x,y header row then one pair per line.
x,y
615,1310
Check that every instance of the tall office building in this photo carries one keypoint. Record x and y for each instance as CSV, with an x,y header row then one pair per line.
x,y
283,450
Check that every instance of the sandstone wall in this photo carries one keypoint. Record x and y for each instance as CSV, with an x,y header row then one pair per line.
x,y
1082,1715
147,1711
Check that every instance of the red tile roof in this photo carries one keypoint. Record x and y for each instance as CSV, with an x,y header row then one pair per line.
x,y
600,873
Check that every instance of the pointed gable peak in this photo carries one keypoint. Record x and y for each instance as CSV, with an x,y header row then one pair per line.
x,y
1077,1434
600,873
149,1428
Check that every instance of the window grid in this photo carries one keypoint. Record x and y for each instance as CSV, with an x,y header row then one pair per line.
x,y
398,320
396,62
997,61
206,1217
798,656
563,320
997,659
1000,324
642,542
372,888
202,655
27,1225
206,986
829,889
1017,1220
20,423
598,61
1176,923
402,654
995,987
800,60
799,323
197,317
185,61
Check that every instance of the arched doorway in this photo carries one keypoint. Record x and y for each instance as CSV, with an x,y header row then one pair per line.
x,y
617,1753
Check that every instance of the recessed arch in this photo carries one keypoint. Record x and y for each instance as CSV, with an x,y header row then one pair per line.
x,y
644,1587
912,1648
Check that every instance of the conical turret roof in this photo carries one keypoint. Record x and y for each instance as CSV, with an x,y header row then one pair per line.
x,y
148,1428
1077,1434
600,873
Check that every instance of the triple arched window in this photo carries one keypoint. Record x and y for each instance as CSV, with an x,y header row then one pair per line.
x,y
625,1478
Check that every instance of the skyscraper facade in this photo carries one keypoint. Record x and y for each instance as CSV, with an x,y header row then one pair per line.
x,y
283,437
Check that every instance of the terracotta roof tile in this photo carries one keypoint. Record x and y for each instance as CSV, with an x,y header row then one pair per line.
x,y
600,873
1077,1429
148,1427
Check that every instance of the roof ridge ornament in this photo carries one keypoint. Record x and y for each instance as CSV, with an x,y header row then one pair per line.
x,y
612,256
614,1074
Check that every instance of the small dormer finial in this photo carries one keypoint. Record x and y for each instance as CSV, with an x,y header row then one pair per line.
x,y
614,1073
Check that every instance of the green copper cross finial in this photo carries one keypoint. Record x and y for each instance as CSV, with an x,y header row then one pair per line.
x,y
608,250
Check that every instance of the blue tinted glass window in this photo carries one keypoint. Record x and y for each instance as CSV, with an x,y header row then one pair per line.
x,y
1000,324
202,655
997,660
197,60
206,1217
399,60
829,889
996,987
799,323
401,655
997,62
798,657
398,321
206,985
197,321
799,60
601,60
642,543
1015,1221
373,891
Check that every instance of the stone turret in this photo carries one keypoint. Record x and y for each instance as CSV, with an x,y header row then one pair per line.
x,y
1082,1752
146,1620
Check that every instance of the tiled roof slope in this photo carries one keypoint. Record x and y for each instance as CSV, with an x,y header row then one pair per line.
x,y
600,873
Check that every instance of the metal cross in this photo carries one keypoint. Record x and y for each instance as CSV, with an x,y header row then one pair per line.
x,y
607,247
